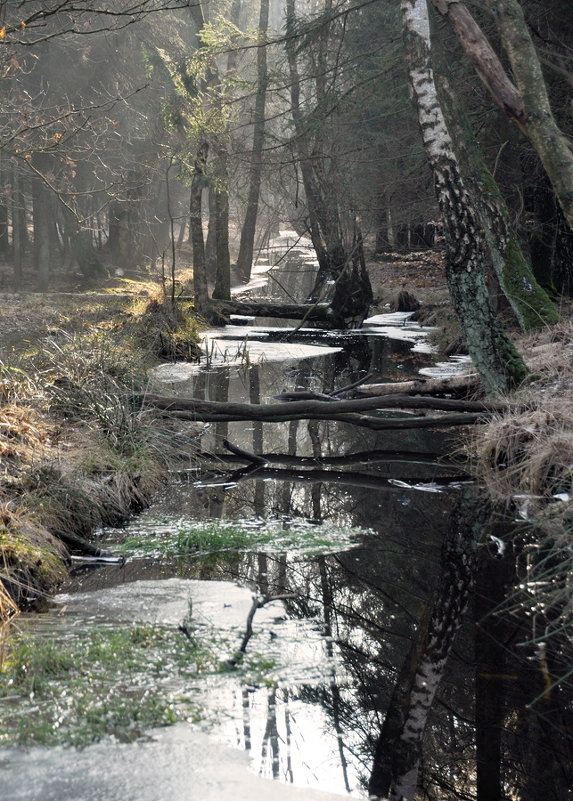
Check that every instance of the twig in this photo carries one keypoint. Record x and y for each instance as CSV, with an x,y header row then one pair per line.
x,y
258,603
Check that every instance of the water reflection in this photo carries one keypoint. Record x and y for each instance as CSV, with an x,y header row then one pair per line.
x,y
366,603
339,642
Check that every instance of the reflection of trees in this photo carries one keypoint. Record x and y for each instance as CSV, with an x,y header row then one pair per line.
x,y
482,740
271,736
258,439
365,628
370,602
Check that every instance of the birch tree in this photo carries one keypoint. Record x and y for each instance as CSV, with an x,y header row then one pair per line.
x,y
494,356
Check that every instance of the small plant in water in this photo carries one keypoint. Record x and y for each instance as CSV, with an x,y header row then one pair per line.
x,y
108,682
196,539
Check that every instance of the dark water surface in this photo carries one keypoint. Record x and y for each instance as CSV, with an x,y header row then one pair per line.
x,y
332,646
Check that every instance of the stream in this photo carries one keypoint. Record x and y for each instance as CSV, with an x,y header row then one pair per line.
x,y
147,695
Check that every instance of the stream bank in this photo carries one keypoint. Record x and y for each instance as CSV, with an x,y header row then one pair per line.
x,y
76,454
293,661
69,464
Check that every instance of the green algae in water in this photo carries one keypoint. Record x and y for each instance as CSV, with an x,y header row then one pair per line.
x,y
203,538
114,682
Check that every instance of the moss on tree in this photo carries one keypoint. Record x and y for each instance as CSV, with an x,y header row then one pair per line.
x,y
535,306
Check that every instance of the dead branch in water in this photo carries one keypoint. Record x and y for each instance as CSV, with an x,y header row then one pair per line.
x,y
347,411
346,478
468,382
344,460
258,603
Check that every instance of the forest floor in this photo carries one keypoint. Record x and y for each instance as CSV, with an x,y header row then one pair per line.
x,y
75,455
420,272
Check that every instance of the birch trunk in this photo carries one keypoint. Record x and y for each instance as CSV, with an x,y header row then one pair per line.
x,y
494,356
532,306
429,656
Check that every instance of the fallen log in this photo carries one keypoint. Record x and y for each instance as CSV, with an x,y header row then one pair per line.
x,y
412,458
346,478
313,408
77,544
341,411
313,312
468,382
365,421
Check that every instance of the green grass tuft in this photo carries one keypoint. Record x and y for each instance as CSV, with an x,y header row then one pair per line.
x,y
204,538
107,682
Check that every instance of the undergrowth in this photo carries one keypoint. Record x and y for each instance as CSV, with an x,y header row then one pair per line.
x,y
77,451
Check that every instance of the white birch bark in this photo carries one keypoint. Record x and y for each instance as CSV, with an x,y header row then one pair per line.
x,y
499,364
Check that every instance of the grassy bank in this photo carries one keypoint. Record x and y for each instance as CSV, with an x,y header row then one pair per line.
x,y
525,459
76,453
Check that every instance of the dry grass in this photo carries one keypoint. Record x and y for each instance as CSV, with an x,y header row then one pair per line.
x,y
528,452
76,454
531,450
525,458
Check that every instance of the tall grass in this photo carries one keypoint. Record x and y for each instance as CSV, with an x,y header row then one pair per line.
x,y
525,458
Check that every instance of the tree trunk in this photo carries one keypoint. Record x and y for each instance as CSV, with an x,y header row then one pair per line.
x,y
4,243
41,225
222,288
528,104
324,225
41,235
18,221
352,292
211,242
530,303
115,226
196,230
494,356
245,258
539,124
